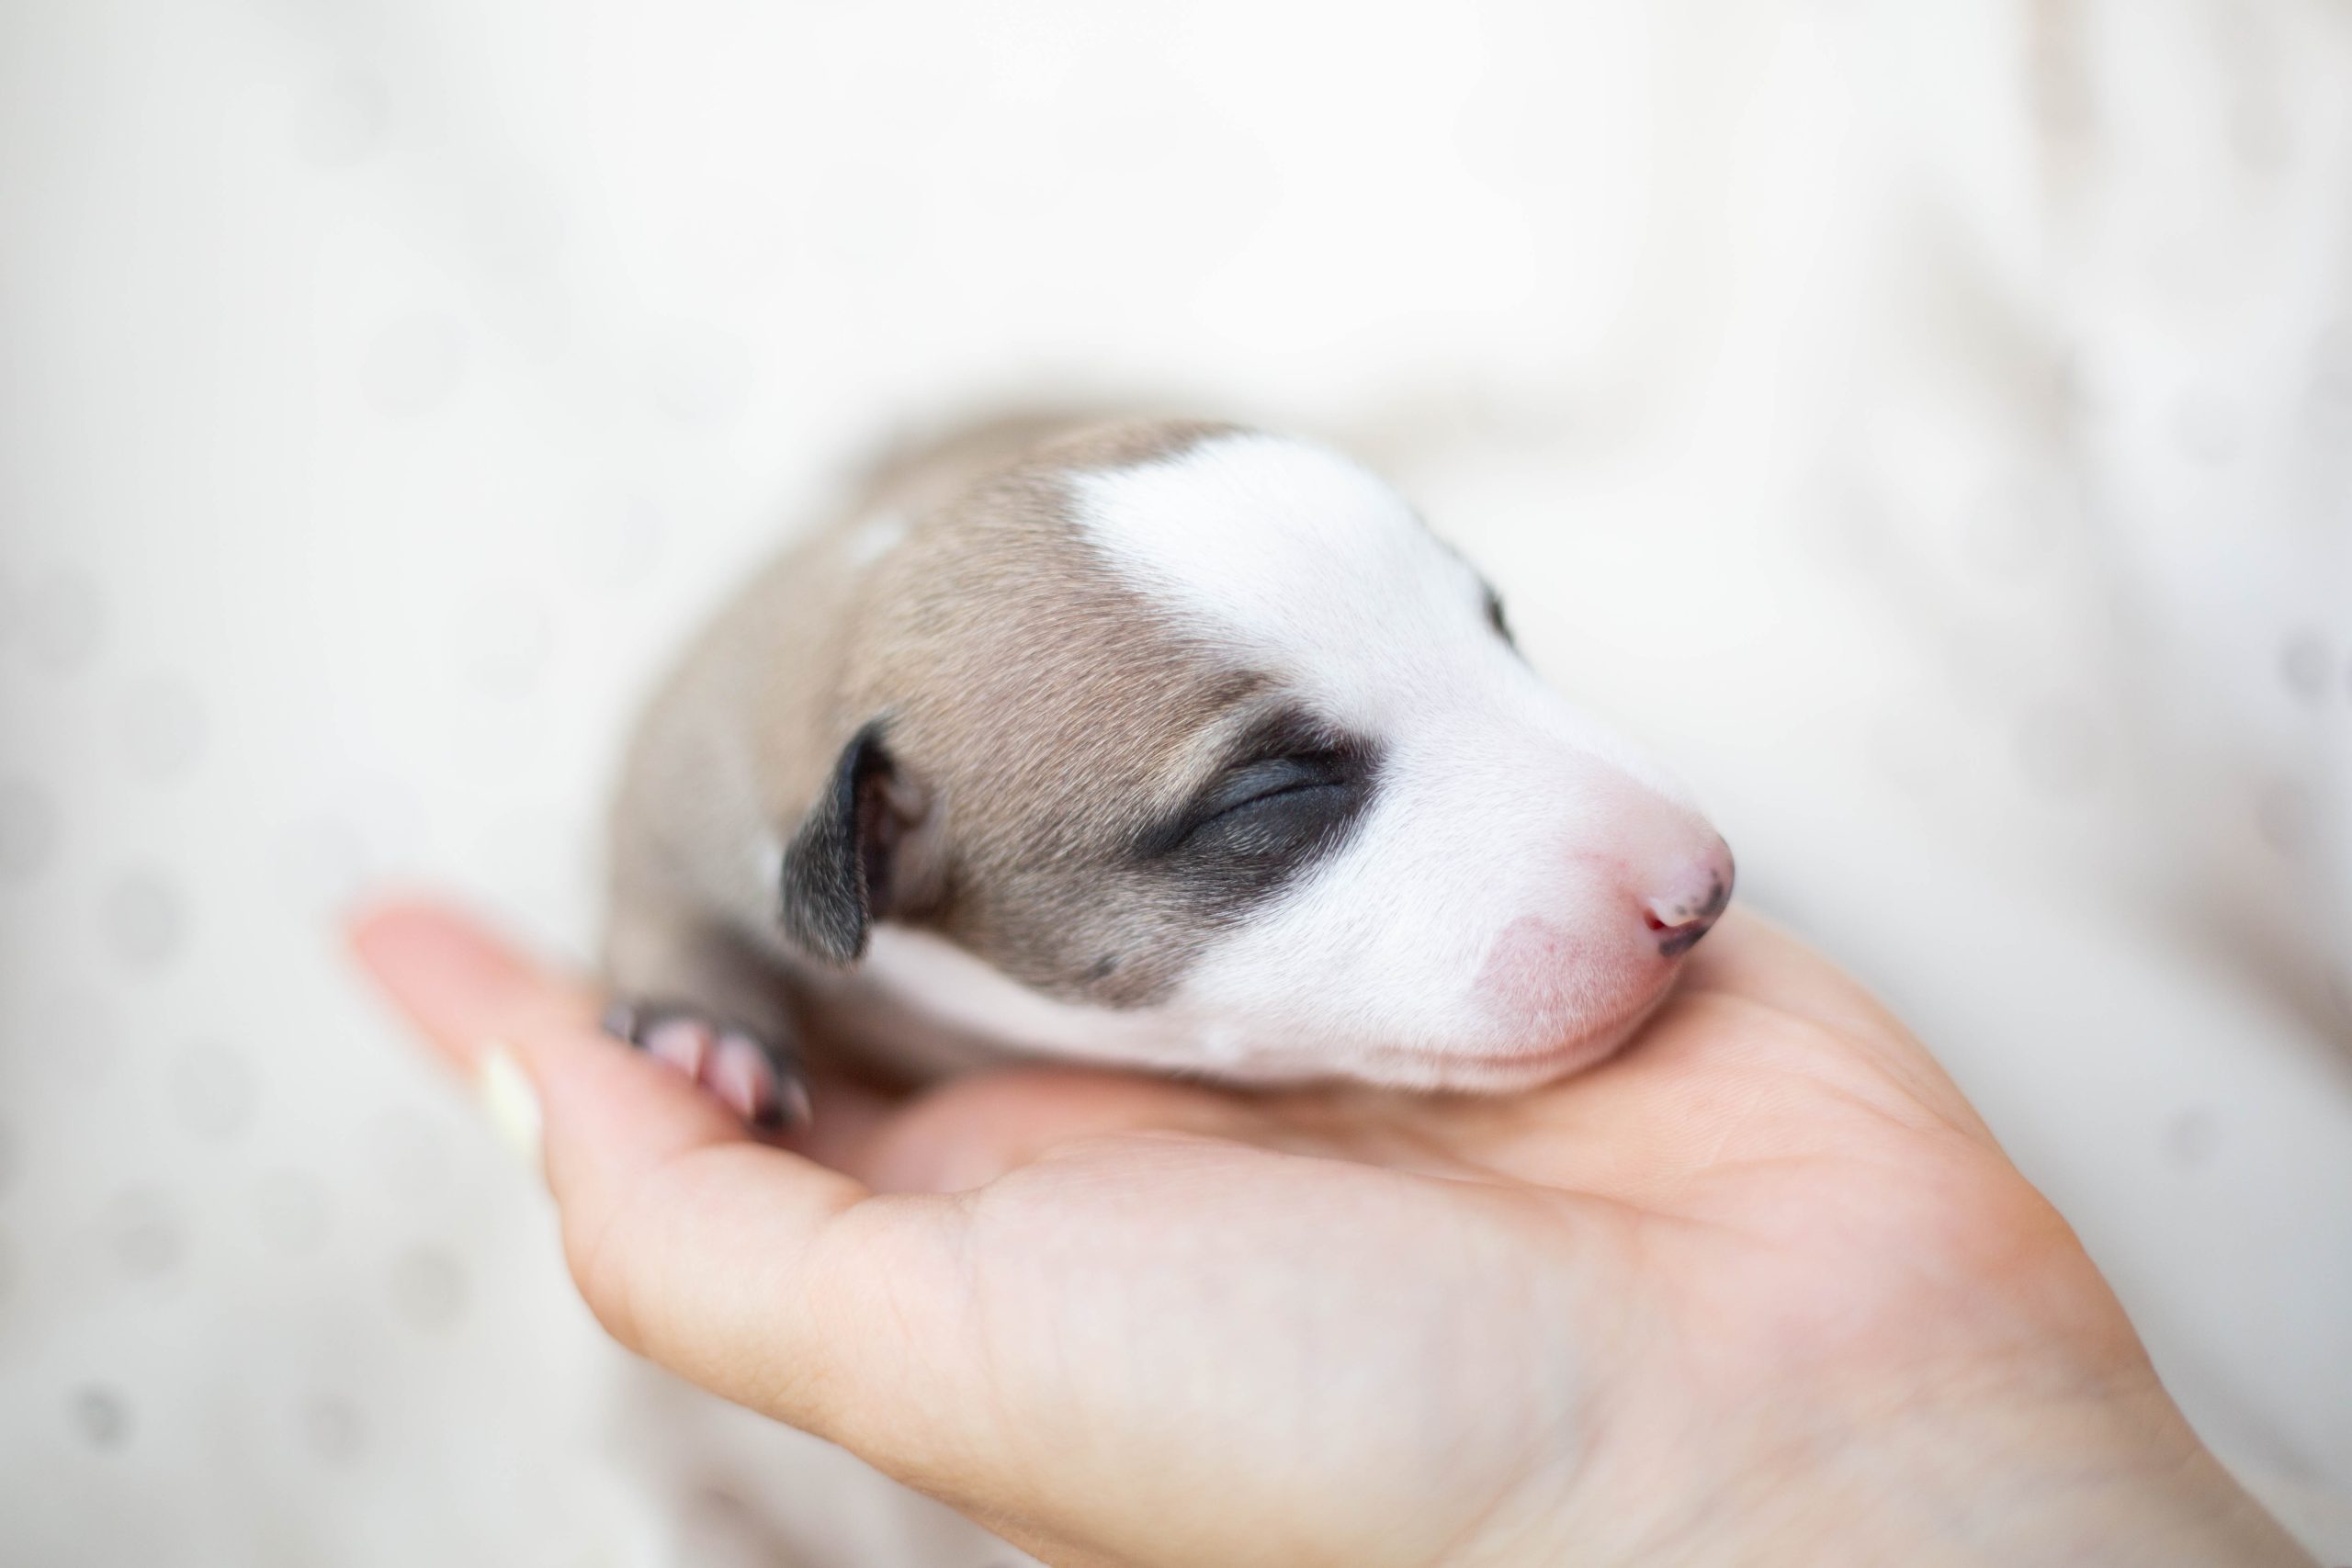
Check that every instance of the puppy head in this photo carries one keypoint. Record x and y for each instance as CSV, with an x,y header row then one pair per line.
x,y
1191,746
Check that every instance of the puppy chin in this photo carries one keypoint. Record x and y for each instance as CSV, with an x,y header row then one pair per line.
x,y
1490,1071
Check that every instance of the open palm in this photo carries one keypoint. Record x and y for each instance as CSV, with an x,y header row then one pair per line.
x,y
1763,1277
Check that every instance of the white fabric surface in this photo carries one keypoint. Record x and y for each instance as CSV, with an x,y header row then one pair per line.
x,y
1930,424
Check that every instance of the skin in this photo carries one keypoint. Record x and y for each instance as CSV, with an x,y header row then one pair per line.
x,y
1761,1290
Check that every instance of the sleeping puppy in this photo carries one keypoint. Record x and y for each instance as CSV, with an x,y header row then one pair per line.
x,y
1163,745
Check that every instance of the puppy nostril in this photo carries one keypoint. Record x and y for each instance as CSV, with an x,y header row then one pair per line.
x,y
1691,907
1679,918
1674,941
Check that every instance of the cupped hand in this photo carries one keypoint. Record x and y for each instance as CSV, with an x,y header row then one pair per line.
x,y
1763,1288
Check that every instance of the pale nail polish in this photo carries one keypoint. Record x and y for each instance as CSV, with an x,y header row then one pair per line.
x,y
511,1103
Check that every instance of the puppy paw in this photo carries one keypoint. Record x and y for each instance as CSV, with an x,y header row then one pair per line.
x,y
751,1077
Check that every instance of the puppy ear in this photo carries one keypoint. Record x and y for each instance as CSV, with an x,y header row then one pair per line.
x,y
838,871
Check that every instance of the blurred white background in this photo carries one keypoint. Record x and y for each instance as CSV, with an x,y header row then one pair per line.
x,y
1929,424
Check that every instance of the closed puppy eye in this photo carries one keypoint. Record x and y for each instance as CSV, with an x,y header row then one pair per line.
x,y
1274,778
1276,803
1269,828
1272,812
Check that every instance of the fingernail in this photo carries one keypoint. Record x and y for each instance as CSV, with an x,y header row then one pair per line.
x,y
511,1102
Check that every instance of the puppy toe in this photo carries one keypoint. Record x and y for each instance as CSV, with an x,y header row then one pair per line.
x,y
685,1043
740,1076
731,1062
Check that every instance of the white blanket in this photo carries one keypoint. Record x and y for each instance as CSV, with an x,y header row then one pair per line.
x,y
1931,423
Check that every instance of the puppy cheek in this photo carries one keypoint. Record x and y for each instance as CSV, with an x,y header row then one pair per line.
x,y
1545,983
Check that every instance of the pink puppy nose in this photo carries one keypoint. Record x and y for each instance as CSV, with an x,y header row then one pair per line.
x,y
1683,906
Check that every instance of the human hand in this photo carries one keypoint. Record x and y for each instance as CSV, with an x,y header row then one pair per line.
x,y
1763,1288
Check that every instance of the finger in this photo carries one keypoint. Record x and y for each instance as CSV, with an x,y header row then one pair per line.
x,y
464,989
461,988
472,995
756,1273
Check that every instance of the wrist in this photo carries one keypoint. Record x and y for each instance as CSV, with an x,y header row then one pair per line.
x,y
2112,1475
2118,1477
2109,1475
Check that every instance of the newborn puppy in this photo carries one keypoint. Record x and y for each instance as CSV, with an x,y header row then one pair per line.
x,y
1172,745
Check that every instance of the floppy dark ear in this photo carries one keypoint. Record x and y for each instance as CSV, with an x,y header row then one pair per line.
x,y
837,870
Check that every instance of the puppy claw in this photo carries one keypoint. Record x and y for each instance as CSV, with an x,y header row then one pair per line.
x,y
738,1075
794,1105
684,1043
731,1062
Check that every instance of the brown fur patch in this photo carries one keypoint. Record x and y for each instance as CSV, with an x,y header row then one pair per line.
x,y
1041,709
1046,707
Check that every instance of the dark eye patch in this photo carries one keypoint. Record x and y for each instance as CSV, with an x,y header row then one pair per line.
x,y
1289,792
1272,811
